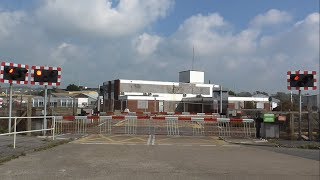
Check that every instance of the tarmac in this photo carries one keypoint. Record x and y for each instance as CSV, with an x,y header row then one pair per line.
x,y
161,157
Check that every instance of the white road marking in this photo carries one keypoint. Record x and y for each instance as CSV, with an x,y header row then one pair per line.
x,y
149,140
231,145
104,143
185,145
165,144
153,139
208,145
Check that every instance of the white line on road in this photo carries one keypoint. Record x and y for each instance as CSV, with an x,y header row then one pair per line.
x,y
231,145
165,144
208,145
102,143
149,140
153,139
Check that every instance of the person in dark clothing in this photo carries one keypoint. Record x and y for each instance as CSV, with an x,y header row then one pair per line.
x,y
83,112
259,120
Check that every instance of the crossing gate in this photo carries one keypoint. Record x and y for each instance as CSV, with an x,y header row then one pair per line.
x,y
148,125
172,126
224,127
197,126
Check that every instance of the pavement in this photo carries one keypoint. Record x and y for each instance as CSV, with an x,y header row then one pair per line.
x,y
24,144
275,143
159,157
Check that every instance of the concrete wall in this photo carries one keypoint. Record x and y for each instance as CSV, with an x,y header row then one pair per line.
x,y
182,88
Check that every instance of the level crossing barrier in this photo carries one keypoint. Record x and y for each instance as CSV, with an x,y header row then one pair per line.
x,y
197,126
172,126
157,125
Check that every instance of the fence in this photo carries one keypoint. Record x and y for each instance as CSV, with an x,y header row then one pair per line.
x,y
22,130
289,129
156,125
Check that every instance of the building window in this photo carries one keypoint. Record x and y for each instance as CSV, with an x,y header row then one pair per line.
x,y
41,104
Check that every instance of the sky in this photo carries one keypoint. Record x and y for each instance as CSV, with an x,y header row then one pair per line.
x,y
245,45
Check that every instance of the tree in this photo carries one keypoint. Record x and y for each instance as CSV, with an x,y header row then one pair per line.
x,y
73,87
49,91
244,94
232,93
261,92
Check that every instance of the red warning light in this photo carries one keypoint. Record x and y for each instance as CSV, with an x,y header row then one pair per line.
x,y
296,78
39,73
11,71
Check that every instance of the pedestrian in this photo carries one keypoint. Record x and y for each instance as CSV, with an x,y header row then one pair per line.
x,y
259,120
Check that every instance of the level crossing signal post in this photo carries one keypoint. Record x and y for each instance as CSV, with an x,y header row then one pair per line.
x,y
301,80
13,73
51,76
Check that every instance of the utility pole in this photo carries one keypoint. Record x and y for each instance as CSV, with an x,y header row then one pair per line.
x,y
299,128
45,109
220,99
10,109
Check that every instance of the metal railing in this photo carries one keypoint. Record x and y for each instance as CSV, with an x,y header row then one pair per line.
x,y
15,132
148,125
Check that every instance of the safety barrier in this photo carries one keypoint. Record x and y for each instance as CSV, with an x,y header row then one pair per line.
x,y
157,125
49,130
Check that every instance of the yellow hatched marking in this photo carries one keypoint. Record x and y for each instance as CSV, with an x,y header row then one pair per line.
x,y
125,140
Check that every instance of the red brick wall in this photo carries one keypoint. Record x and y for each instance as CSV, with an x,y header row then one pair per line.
x,y
267,106
231,106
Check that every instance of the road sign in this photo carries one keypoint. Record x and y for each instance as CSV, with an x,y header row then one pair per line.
x,y
268,118
41,75
301,80
13,73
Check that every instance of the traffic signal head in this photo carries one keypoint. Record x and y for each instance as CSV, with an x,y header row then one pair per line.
x,y
15,73
43,75
301,80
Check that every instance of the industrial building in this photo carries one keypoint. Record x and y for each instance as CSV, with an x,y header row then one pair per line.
x,y
190,94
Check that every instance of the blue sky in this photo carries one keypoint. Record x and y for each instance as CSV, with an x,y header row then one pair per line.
x,y
235,11
248,44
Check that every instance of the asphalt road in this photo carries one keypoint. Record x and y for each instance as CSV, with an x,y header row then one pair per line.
x,y
141,161
304,153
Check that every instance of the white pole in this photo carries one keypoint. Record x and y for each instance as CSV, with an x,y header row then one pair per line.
x,y
54,127
299,114
10,109
98,105
15,134
220,100
45,109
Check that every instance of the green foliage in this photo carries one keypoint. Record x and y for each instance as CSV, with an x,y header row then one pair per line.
x,y
261,92
285,101
41,93
232,93
244,94
73,87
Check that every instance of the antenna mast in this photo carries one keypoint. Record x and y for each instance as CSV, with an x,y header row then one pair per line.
x,y
192,57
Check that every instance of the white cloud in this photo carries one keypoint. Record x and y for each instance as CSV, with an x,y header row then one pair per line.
x,y
8,21
99,18
248,58
272,17
147,44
